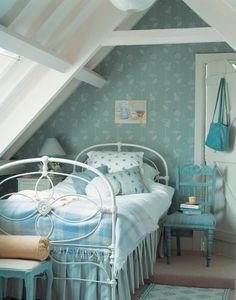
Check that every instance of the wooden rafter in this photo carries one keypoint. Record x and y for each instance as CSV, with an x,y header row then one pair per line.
x,y
163,36
16,43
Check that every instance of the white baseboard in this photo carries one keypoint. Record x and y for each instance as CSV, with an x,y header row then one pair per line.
x,y
225,243
225,236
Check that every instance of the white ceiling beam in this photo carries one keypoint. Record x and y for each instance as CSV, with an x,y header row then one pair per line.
x,y
90,77
218,14
163,36
128,23
18,44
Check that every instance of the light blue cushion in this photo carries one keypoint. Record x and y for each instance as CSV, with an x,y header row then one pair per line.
x,y
181,220
80,184
131,181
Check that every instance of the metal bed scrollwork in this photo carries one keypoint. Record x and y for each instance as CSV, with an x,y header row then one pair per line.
x,y
72,221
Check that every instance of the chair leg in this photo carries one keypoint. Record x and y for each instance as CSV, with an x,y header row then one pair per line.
x,y
30,287
1,288
210,234
49,274
178,243
168,243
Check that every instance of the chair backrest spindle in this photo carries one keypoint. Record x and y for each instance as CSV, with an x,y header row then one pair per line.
x,y
198,181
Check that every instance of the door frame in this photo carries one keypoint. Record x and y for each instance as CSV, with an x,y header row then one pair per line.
x,y
226,242
201,61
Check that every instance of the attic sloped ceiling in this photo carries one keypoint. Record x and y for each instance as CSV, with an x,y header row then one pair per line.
x,y
61,41
55,39
220,15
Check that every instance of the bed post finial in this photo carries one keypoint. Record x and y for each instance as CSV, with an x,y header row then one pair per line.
x,y
119,144
45,165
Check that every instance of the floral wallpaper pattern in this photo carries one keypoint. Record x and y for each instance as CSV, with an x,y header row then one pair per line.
x,y
163,75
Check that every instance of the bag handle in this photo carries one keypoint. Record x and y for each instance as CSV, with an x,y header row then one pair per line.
x,y
222,102
217,99
224,105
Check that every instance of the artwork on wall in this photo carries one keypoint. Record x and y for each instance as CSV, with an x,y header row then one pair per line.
x,y
130,112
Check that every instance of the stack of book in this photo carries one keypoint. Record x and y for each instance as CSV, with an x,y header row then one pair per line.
x,y
190,209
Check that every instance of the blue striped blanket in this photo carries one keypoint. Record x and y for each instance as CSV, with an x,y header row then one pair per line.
x,y
19,214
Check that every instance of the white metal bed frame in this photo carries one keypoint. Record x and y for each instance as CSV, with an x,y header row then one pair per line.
x,y
44,208
118,147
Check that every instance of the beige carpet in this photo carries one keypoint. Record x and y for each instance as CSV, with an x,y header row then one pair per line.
x,y
190,269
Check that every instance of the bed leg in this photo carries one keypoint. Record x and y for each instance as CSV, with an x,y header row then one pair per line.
x,y
113,290
168,243
178,243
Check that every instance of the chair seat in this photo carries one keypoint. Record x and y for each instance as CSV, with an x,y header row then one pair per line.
x,y
180,220
26,270
18,264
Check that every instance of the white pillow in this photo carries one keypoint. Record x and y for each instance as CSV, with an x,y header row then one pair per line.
x,y
98,187
115,161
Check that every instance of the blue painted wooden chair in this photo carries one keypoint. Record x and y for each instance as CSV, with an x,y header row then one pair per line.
x,y
26,270
200,182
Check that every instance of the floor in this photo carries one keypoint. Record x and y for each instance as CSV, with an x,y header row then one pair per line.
x,y
190,269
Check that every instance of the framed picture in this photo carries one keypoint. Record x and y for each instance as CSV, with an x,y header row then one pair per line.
x,y
130,111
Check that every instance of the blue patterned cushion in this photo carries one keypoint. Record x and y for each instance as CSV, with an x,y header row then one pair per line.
x,y
85,177
131,181
181,220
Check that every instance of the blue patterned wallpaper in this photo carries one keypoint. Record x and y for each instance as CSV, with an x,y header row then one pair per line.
x,y
163,75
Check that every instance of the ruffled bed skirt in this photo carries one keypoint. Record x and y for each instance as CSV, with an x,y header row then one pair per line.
x,y
139,266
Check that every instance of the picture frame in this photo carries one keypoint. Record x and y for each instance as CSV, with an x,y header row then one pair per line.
x,y
130,111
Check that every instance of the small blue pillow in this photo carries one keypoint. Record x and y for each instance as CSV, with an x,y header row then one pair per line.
x,y
131,181
80,184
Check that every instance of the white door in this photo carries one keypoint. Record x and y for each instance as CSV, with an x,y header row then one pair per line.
x,y
225,207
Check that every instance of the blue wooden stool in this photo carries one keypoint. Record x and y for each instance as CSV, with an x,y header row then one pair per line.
x,y
26,270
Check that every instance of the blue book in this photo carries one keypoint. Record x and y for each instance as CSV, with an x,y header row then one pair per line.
x,y
188,205
189,211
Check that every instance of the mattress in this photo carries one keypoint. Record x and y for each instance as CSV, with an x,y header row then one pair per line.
x,y
137,216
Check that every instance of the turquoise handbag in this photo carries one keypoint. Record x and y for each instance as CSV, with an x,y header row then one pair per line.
x,y
218,135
